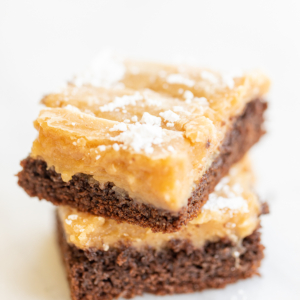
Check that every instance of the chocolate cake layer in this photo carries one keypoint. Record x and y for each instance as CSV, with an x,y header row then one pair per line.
x,y
87,195
178,268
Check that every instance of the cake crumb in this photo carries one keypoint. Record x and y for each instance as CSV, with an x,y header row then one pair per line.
x,y
105,247
236,254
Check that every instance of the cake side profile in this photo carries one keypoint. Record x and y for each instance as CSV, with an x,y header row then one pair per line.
x,y
106,260
106,200
126,272
147,148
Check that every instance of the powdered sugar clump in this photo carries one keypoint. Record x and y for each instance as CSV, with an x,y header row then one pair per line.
x,y
228,80
179,79
171,149
119,127
151,102
226,197
134,119
188,95
169,116
189,98
228,77
102,148
116,147
72,108
150,119
141,137
178,108
216,203
69,222
201,101
210,77
121,102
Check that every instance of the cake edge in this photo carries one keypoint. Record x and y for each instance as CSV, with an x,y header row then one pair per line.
x,y
180,268
36,180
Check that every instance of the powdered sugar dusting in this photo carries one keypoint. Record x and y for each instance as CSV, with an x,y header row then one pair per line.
x,y
216,203
141,137
121,102
226,197
106,70
149,100
150,119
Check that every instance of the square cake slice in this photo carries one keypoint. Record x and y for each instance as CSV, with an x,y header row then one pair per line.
x,y
106,260
147,148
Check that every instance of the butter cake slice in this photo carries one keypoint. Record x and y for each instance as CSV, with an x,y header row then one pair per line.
x,y
141,142
105,259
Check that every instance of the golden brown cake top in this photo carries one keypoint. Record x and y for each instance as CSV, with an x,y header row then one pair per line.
x,y
232,211
151,129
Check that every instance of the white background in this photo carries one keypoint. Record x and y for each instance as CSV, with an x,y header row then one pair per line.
x,y
42,43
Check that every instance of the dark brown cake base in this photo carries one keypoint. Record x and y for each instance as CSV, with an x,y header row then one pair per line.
x,y
79,193
179,268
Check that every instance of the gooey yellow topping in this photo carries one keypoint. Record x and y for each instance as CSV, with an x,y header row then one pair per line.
x,y
232,211
153,133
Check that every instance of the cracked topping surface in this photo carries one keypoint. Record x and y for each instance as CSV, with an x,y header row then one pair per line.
x,y
231,211
149,128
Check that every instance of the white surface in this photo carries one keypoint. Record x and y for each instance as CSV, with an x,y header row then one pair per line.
x,y
43,42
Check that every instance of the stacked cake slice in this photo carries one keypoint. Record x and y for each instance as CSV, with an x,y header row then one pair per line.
x,y
147,165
